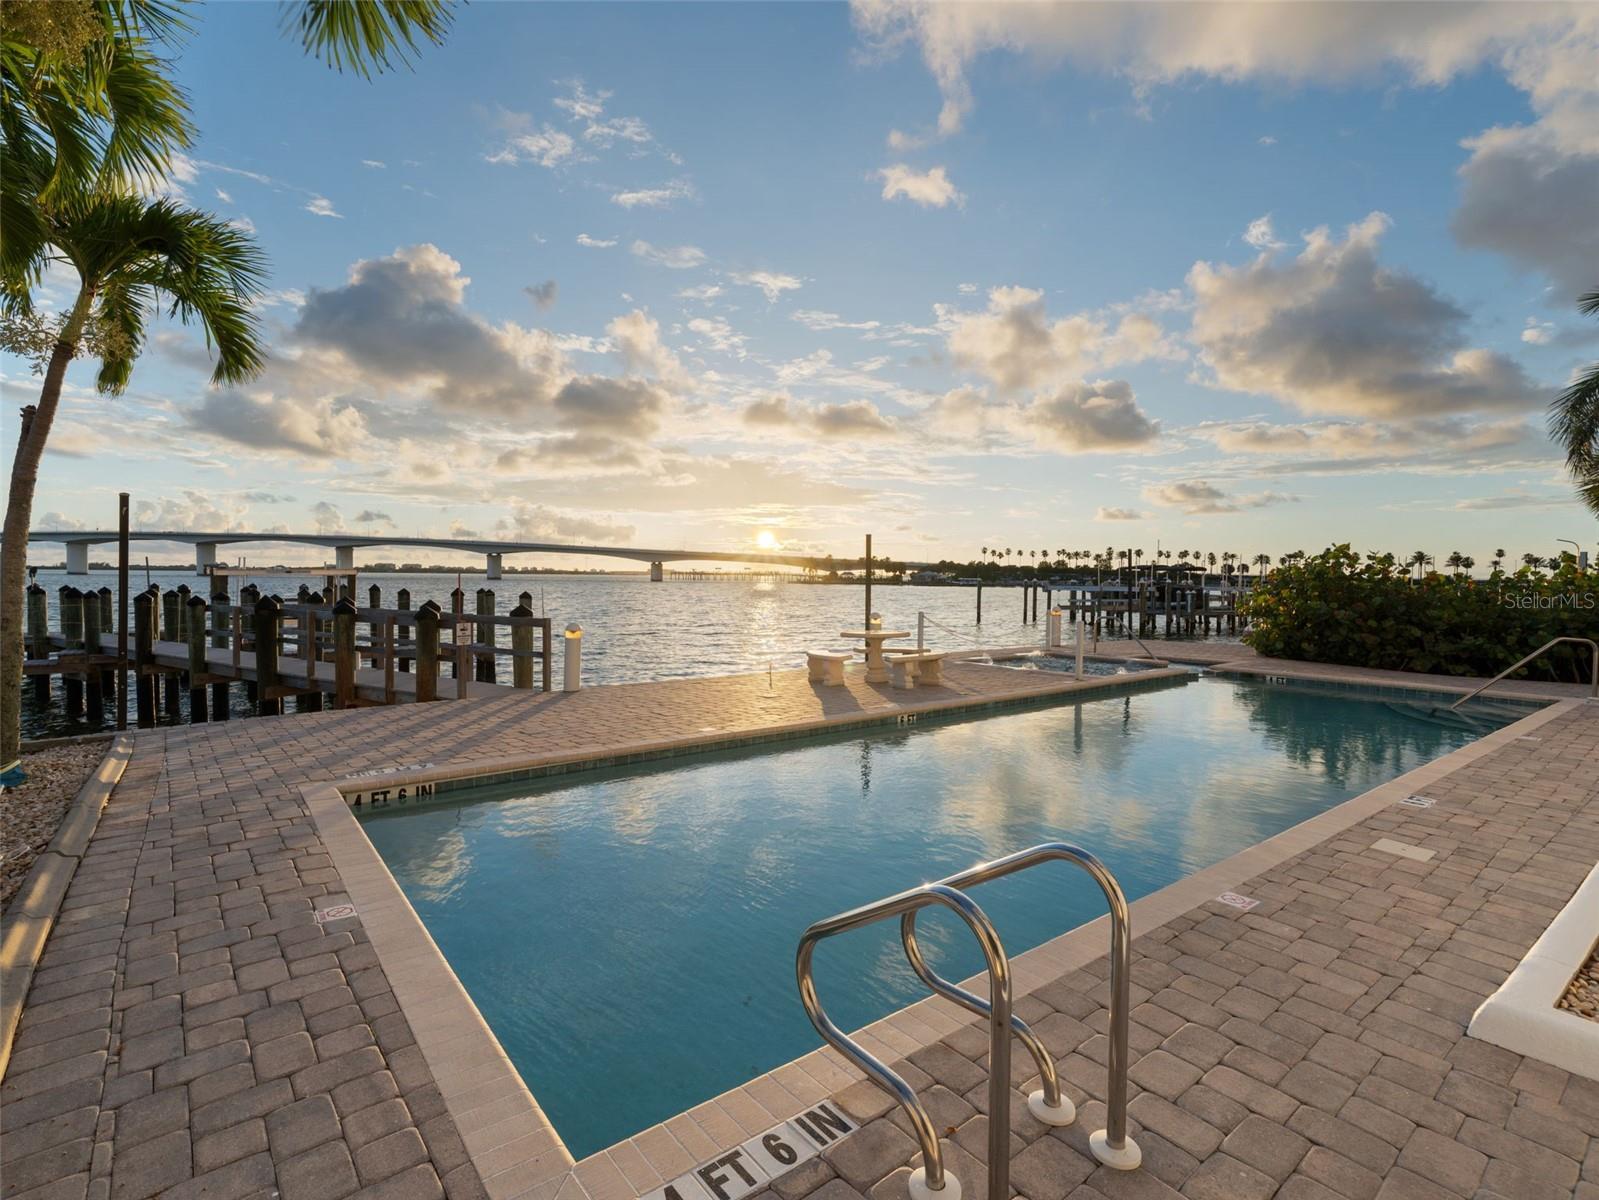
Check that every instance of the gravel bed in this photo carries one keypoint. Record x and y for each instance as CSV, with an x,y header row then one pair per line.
x,y
29,816
1582,997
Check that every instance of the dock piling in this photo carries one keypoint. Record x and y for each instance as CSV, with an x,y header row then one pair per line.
x,y
484,635
198,666
402,601
427,651
39,638
143,648
344,656
522,650
268,615
93,675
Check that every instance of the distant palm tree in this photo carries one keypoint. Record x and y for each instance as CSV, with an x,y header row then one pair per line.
x,y
1263,561
1499,559
1532,560
1574,422
1455,560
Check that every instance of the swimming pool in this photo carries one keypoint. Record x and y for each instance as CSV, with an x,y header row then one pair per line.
x,y
637,925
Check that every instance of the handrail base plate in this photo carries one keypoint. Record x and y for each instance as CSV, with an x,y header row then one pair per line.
x,y
920,1191
1060,1116
1125,1159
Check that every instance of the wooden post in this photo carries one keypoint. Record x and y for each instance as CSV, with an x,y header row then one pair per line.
x,y
108,624
39,638
122,610
402,601
198,665
220,703
457,607
979,601
70,601
427,651
522,649
867,622
344,656
375,625
1024,604
169,617
485,636
93,676
183,614
268,613
143,644
545,627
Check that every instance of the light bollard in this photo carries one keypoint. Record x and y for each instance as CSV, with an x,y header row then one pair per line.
x,y
1082,628
1052,629
574,657
875,621
921,632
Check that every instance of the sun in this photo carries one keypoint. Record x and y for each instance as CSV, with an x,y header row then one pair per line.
x,y
766,540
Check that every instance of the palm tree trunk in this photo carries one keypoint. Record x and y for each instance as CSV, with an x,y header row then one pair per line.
x,y
36,422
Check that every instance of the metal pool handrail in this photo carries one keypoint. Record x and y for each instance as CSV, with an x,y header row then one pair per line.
x,y
929,1180
1589,642
1110,1145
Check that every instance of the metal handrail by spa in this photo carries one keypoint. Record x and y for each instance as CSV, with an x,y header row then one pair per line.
x,y
1589,642
1110,1145
929,1181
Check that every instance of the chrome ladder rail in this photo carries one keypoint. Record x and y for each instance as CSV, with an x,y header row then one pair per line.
x,y
1589,642
1110,1145
929,1181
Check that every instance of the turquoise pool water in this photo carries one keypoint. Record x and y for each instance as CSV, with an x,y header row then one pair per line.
x,y
629,933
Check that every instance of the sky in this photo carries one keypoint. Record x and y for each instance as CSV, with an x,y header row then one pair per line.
x,y
1246,278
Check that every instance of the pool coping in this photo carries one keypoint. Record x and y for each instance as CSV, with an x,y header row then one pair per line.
x,y
511,1141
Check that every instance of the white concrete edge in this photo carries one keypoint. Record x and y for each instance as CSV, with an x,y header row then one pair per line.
x,y
1522,1015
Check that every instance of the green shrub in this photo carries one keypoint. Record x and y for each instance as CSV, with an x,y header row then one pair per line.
x,y
1335,608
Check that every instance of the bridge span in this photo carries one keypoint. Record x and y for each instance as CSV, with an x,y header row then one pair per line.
x,y
344,545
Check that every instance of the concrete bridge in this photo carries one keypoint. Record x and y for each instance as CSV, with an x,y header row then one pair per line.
x,y
78,541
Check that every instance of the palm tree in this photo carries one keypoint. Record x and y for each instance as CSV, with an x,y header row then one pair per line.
x,y
1532,560
1418,559
1499,559
1455,560
1574,422
130,254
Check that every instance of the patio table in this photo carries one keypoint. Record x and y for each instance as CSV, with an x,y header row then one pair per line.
x,y
876,669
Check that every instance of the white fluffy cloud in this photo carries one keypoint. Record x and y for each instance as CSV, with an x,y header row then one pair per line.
x,y
1016,344
528,522
1091,417
930,189
1331,330
1197,497
655,197
849,419
771,283
319,426
679,258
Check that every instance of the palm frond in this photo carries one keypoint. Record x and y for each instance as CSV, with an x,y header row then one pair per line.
x,y
367,36
1588,304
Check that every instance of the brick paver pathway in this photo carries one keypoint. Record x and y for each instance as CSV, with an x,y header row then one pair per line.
x,y
193,1032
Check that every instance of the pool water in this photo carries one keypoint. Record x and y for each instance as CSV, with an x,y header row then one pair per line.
x,y
629,933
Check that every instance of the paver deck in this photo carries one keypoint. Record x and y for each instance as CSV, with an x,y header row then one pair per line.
x,y
193,1031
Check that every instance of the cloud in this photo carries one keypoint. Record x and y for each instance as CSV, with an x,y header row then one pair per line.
x,y
1117,514
545,146
374,163
1526,196
637,338
1538,333
820,321
849,419
1088,417
321,206
718,334
319,426
704,291
584,239
369,516
537,522
543,294
1331,330
1017,346
930,189
402,320
771,283
190,511
224,196
678,258
327,517
656,197
1260,234
1197,497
